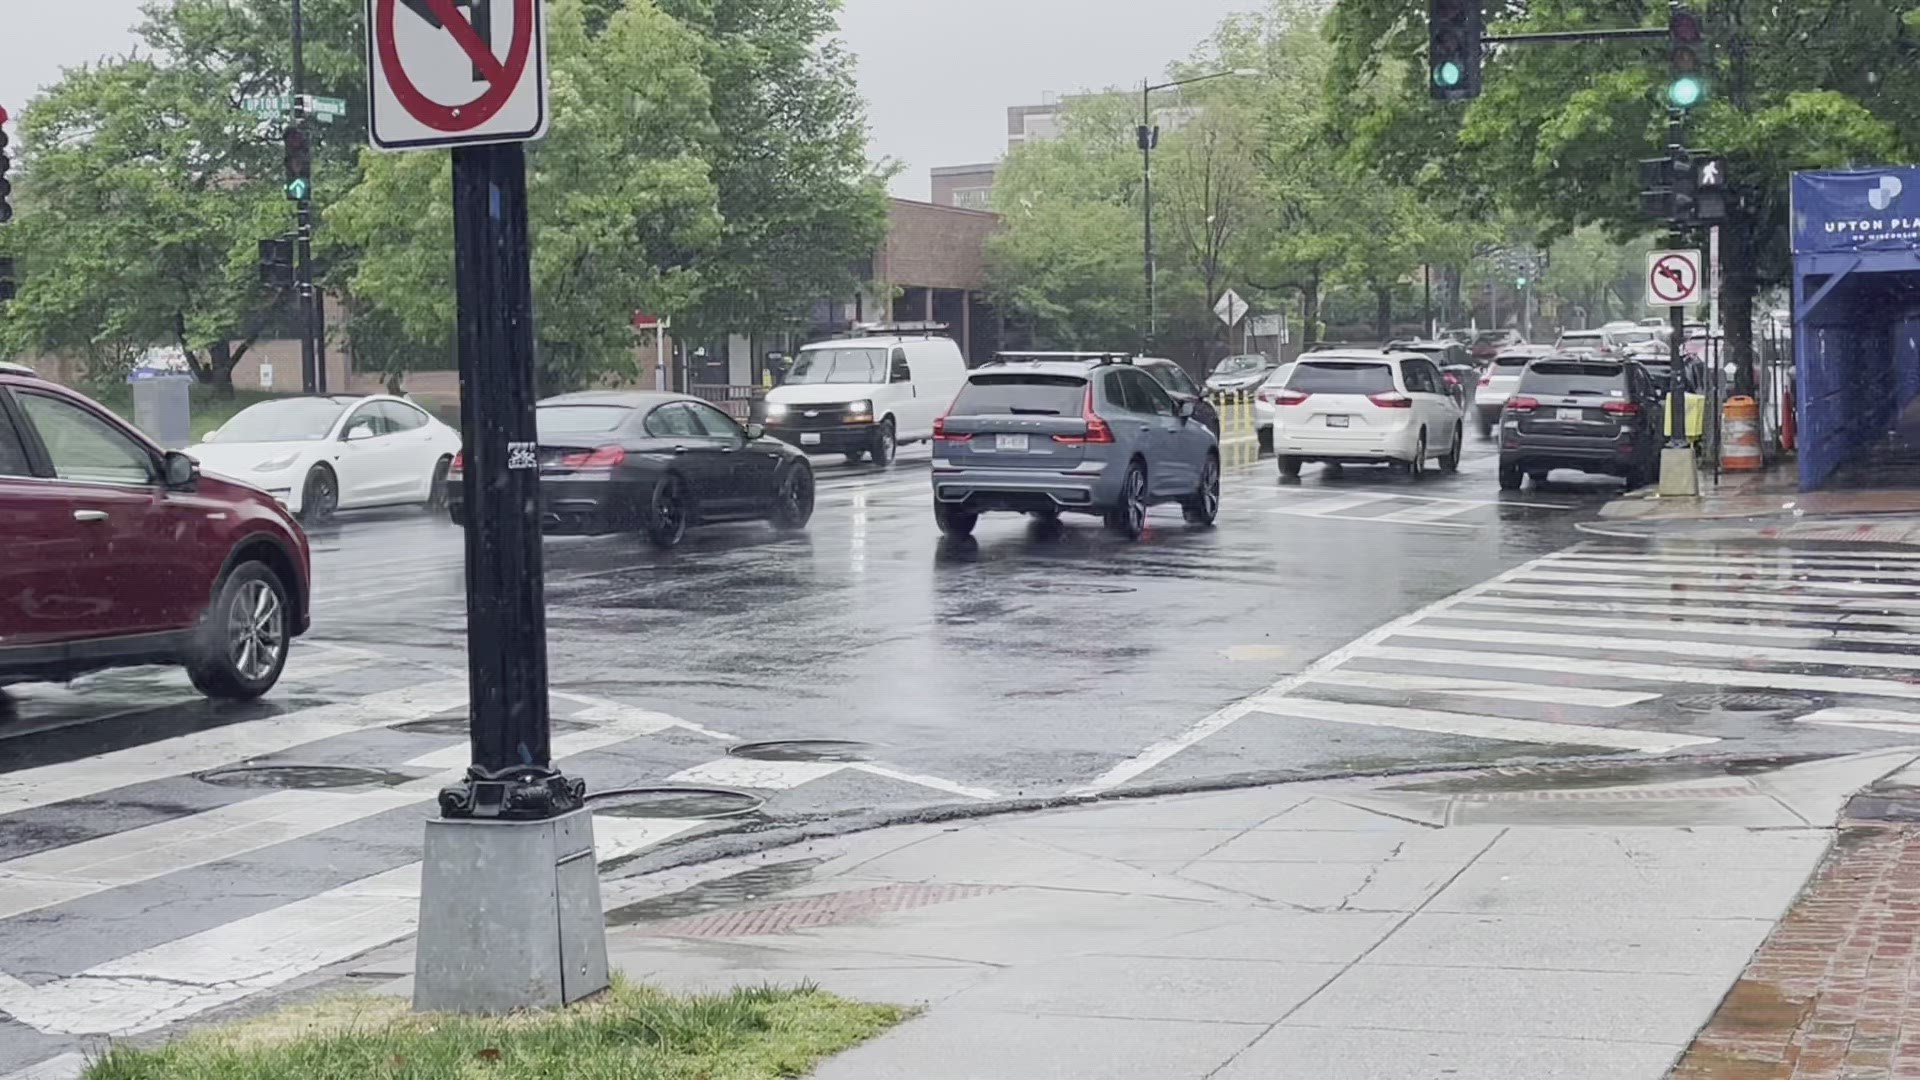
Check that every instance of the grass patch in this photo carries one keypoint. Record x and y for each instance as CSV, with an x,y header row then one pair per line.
x,y
631,1032
208,409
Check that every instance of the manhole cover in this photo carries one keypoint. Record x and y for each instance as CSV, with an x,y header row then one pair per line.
x,y
674,802
1743,702
301,777
1077,588
803,750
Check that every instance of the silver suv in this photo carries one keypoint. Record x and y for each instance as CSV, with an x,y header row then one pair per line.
x,y
1047,437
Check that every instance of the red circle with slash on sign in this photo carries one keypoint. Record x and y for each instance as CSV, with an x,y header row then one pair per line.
x,y
1673,279
502,77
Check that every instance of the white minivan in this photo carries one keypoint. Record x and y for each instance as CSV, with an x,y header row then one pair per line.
x,y
864,396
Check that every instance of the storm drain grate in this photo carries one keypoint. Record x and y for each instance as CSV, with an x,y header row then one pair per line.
x,y
1735,701
1622,795
810,911
300,777
803,750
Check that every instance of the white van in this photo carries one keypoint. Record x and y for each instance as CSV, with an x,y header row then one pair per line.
x,y
863,396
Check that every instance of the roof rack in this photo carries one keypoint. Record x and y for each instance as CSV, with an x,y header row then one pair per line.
x,y
10,368
1329,346
1031,356
898,329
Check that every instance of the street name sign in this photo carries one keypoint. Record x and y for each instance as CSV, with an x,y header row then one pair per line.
x,y
455,72
1673,278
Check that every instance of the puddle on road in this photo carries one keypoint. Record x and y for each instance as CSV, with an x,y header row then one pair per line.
x,y
730,891
301,777
803,750
1752,702
674,802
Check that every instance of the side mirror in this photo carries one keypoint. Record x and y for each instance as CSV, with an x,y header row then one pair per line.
x,y
1183,407
179,470
355,434
756,431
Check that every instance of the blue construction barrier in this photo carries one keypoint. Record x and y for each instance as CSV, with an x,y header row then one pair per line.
x,y
1856,290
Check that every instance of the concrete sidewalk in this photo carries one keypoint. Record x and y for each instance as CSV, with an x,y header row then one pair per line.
x,y
1767,506
1578,921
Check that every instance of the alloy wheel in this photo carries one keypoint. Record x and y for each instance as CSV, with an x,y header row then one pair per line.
x,y
256,630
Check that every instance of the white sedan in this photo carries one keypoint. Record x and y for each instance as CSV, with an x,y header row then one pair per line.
x,y
322,454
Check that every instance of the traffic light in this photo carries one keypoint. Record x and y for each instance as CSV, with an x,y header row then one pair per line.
x,y
276,263
1709,179
1686,59
6,186
1680,172
299,162
1656,188
7,288
1453,49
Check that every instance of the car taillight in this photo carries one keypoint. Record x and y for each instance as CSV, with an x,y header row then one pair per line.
x,y
1621,408
1271,397
459,465
1522,404
606,457
940,432
1392,399
1097,429
1292,397
1487,381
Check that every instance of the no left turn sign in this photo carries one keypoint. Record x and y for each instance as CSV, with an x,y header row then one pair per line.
x,y
455,72
1673,278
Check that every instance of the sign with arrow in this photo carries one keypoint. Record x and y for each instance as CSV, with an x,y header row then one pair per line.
x,y
1673,278
455,72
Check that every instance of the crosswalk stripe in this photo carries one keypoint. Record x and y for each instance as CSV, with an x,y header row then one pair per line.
x,y
1719,569
1735,555
1338,504
1871,719
200,750
1574,593
1480,727
1643,672
1489,688
1684,611
1888,588
1712,650
1430,513
1803,634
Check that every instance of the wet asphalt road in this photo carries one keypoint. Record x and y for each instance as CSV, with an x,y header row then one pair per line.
x,y
1358,622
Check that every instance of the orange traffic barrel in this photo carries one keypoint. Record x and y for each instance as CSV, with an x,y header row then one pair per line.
x,y
1740,436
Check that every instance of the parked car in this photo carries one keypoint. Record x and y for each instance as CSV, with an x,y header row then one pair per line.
x,y
1592,342
1175,381
1243,372
1489,343
1052,437
1265,400
1581,412
1497,383
319,455
1367,406
119,553
864,396
1459,372
616,461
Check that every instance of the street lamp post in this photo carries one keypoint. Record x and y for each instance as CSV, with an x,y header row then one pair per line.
x,y
1148,137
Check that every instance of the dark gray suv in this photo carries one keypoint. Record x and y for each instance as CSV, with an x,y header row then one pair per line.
x,y
1578,411
1048,437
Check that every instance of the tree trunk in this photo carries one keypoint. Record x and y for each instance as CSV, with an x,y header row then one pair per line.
x,y
1736,301
1310,311
1382,313
220,361
1454,274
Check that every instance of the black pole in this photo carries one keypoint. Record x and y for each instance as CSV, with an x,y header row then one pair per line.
x,y
311,379
1676,381
1146,206
1426,297
512,775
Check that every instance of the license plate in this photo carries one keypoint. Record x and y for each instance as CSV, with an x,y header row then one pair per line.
x,y
1570,414
810,438
1009,442
1339,421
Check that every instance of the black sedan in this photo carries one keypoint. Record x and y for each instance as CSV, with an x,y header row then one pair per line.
x,y
629,461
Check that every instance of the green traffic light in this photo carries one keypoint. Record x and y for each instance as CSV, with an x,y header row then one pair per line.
x,y
299,188
1447,74
1685,92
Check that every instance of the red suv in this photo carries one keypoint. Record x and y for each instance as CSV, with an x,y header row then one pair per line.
x,y
114,552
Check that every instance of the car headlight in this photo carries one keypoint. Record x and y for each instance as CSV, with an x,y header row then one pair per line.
x,y
774,409
860,407
276,464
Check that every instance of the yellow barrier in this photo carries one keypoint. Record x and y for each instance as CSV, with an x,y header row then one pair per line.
x,y
1239,435
1696,418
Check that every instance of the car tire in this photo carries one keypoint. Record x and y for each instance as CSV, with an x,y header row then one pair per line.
x,y
953,521
1129,517
437,487
1289,466
319,497
668,513
1510,477
793,499
1451,462
1634,479
241,645
1416,469
1264,437
884,443
1486,428
1203,506
854,456
1539,476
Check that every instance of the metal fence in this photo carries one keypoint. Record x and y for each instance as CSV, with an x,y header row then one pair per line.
x,y
735,401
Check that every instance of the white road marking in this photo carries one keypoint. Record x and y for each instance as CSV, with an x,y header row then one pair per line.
x,y
1713,650
616,837
1479,727
1338,504
1660,673
1574,593
1888,588
759,775
1428,513
1872,719
1756,616
933,782
1748,555
1794,573
1489,688
1674,626
49,784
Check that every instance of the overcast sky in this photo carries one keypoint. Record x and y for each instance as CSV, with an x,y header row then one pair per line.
x,y
938,74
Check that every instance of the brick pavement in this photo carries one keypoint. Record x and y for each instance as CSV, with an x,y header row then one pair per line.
x,y
1829,995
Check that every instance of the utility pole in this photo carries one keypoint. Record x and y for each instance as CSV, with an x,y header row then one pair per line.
x,y
1148,136
313,357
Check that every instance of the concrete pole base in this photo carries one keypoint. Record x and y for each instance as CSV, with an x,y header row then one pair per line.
x,y
1678,478
509,916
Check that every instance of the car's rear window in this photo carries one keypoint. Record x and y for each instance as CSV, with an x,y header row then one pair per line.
x,y
579,419
1572,378
1335,377
1512,361
1021,394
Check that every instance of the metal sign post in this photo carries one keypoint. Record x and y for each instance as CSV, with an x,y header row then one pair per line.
x,y
510,896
